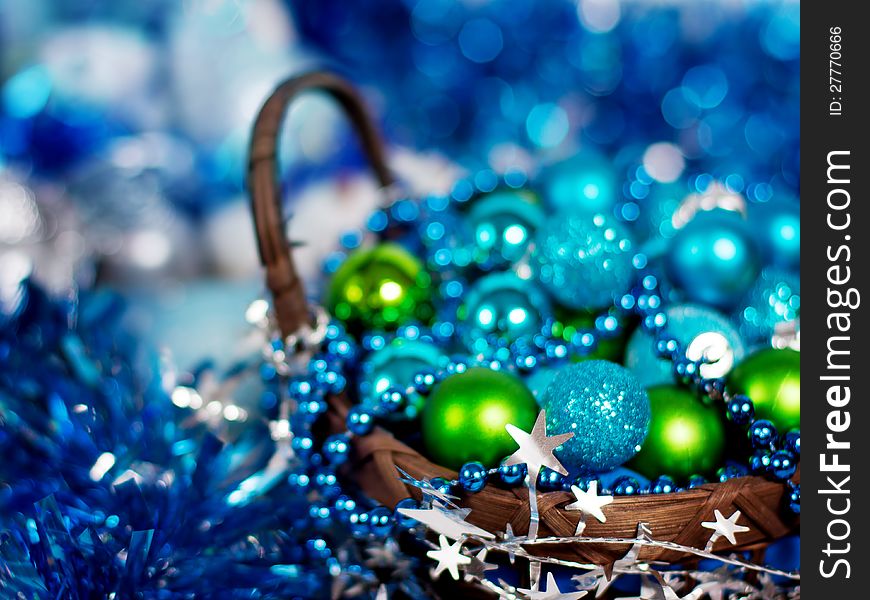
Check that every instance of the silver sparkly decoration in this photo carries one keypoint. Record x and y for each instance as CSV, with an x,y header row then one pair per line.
x,y
450,523
477,568
449,557
536,451
723,527
552,592
588,503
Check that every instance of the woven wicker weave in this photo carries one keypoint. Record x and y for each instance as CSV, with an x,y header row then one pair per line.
x,y
673,517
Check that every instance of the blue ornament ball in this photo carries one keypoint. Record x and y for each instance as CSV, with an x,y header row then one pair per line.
x,y
773,299
783,465
714,259
605,407
504,305
472,477
586,182
584,260
685,324
512,475
394,367
503,223
777,226
762,433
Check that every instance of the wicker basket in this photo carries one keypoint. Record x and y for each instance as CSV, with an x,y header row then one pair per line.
x,y
672,517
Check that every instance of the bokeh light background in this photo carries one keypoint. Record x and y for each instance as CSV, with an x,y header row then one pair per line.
x,y
124,125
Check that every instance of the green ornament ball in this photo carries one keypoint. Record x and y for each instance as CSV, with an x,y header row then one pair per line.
x,y
465,416
686,436
570,323
381,288
772,379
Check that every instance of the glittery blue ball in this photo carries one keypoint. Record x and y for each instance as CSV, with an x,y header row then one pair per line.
x,y
503,223
714,259
605,407
472,477
512,475
685,322
504,305
773,299
584,260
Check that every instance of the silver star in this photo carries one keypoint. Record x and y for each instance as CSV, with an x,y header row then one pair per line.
x,y
723,527
478,566
449,558
536,448
552,592
629,562
382,593
445,522
426,488
589,503
388,556
509,542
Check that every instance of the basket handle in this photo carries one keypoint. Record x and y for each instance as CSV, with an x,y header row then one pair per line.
x,y
288,295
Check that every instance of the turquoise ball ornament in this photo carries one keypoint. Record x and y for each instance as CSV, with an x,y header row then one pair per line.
x,y
714,259
465,416
686,324
503,223
774,300
605,407
584,260
502,304
586,182
777,226
394,366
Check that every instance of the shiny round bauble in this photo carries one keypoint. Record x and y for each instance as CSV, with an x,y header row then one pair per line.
x,y
538,380
714,259
472,477
584,260
772,379
502,304
503,223
691,325
380,288
777,227
464,418
772,301
395,366
686,436
512,475
605,408
586,183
